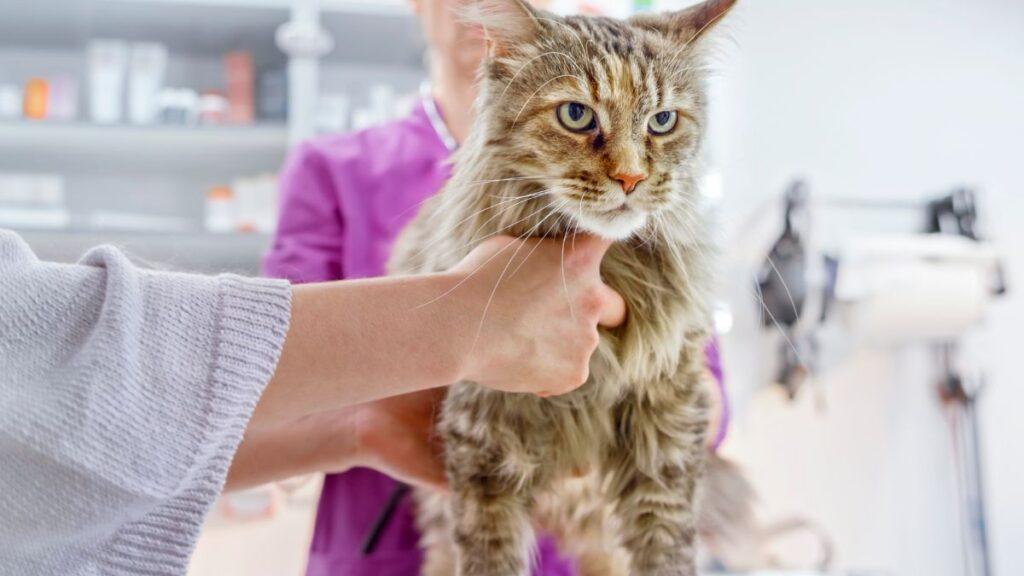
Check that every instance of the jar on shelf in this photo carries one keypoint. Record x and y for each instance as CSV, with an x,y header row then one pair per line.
x,y
220,210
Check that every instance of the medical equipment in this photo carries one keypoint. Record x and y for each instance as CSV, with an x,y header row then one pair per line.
x,y
932,287
782,287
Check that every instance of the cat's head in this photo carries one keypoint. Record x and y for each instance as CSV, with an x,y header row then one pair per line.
x,y
605,116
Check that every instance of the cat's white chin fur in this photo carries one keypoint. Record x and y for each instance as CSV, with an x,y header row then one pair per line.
x,y
618,227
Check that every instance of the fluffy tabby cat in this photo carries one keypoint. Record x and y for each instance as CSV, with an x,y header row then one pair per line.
x,y
596,125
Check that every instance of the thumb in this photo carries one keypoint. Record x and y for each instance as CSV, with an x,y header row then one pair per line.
x,y
613,308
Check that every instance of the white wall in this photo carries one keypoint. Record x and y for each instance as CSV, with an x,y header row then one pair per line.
x,y
880,99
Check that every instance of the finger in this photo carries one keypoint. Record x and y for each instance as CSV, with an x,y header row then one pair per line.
x,y
613,308
425,468
499,241
484,252
421,402
433,479
590,249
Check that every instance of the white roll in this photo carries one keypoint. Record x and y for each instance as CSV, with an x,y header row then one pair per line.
x,y
909,295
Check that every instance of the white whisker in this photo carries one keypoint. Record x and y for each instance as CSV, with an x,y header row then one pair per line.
x,y
535,92
759,296
506,204
565,283
473,239
511,259
531,61
477,269
789,295
514,179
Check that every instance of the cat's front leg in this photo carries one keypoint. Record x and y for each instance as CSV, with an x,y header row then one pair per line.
x,y
655,466
435,533
492,530
490,510
494,471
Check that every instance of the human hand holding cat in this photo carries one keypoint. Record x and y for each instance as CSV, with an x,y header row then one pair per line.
x,y
532,308
514,315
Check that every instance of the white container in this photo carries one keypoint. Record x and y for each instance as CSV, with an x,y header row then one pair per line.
x,y
32,201
255,203
213,109
178,106
31,190
137,222
383,102
63,103
10,101
332,114
35,218
147,69
220,210
108,64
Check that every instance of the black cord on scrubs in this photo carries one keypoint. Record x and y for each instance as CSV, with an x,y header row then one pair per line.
x,y
373,536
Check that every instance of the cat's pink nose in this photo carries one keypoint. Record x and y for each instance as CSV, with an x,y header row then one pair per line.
x,y
628,181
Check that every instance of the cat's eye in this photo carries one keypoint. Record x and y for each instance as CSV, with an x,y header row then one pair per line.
x,y
577,117
663,122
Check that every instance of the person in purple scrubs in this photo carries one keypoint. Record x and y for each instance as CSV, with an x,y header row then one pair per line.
x,y
344,199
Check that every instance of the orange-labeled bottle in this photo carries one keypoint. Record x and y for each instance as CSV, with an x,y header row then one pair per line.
x,y
37,95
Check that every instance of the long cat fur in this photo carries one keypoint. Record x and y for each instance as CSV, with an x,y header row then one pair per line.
x,y
639,423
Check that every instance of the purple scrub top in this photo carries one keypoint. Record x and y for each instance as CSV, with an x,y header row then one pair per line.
x,y
344,199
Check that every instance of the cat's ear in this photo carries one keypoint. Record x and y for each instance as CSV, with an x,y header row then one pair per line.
x,y
505,22
688,24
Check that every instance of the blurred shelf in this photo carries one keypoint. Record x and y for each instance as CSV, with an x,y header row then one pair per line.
x,y
197,29
383,7
187,27
184,251
374,37
61,147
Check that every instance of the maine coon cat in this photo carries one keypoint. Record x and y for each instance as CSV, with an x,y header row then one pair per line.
x,y
596,125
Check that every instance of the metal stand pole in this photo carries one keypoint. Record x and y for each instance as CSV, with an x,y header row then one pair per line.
x,y
962,398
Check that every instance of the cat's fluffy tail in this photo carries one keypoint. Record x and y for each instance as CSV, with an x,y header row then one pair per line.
x,y
730,531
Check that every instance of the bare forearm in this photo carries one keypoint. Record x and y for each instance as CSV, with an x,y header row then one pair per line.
x,y
353,342
317,443
393,435
357,341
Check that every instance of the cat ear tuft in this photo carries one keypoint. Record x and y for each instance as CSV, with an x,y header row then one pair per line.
x,y
688,24
505,22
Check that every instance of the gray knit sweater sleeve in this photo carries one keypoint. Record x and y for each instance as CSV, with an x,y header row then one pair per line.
x,y
123,396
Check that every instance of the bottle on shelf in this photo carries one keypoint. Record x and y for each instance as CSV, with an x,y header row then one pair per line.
x,y
37,94
108,65
220,210
11,102
63,98
213,108
148,68
240,80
